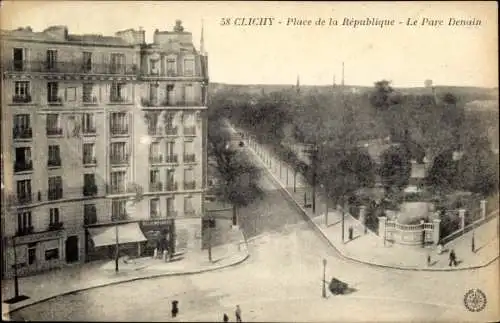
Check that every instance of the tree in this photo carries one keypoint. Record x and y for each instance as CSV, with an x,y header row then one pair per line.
x,y
443,173
383,95
239,177
396,168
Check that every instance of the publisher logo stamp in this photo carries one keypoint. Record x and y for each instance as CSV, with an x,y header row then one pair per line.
x,y
475,300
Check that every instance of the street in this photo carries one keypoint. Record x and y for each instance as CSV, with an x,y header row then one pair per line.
x,y
281,281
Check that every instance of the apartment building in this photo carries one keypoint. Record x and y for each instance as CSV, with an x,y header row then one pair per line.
x,y
100,135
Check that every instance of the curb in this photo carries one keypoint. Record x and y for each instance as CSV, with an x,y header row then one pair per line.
x,y
191,272
373,264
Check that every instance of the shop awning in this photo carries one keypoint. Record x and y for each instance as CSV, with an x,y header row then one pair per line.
x,y
106,236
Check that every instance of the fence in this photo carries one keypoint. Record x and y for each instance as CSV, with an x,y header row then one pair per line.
x,y
409,234
463,230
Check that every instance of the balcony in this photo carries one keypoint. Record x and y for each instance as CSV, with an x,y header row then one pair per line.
x,y
25,231
156,187
189,213
119,131
119,217
156,159
189,158
87,100
153,131
55,162
118,100
23,166
24,199
117,189
55,194
54,101
18,99
90,190
190,185
55,226
119,160
89,131
54,131
22,133
152,103
189,131
171,187
171,131
171,159
70,67
89,161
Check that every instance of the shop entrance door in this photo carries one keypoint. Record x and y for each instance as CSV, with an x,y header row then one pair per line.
x,y
72,249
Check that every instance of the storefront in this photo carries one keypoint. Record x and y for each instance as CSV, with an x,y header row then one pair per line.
x,y
160,235
36,252
102,241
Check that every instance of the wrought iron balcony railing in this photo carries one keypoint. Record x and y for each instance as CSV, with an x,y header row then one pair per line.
x,y
171,159
25,231
156,159
89,160
23,166
21,99
149,103
55,194
117,131
71,67
117,160
89,130
190,185
189,158
54,131
171,187
24,199
90,190
55,226
156,187
22,133
55,162
171,131
189,131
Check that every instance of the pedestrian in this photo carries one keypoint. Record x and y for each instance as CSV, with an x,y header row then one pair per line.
x,y
175,309
225,318
453,258
238,313
428,259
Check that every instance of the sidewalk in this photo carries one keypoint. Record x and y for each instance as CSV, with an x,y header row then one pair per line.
x,y
68,280
369,248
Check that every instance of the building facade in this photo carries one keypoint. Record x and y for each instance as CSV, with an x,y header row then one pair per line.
x,y
97,132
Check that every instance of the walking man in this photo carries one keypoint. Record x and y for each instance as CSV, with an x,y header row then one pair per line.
x,y
238,313
453,258
225,318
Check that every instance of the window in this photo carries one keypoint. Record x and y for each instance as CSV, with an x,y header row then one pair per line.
x,y
117,63
171,185
88,123
189,67
119,123
24,221
118,210
87,61
118,180
71,94
170,206
154,152
54,156
53,123
154,208
89,214
188,206
18,55
31,255
170,148
154,64
89,154
22,127
170,97
54,215
118,92
189,155
119,153
52,254
189,94
89,186
189,183
189,124
154,176
24,191
51,59
171,67
87,93
21,92
55,188
52,92
23,159
153,122
169,120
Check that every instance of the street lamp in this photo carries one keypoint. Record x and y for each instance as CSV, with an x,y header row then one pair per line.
x,y
324,278
473,242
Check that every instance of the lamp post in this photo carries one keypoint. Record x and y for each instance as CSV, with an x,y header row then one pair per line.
x,y
324,279
117,246
473,245
16,278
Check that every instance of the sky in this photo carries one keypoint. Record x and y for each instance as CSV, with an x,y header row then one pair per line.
x,y
405,54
